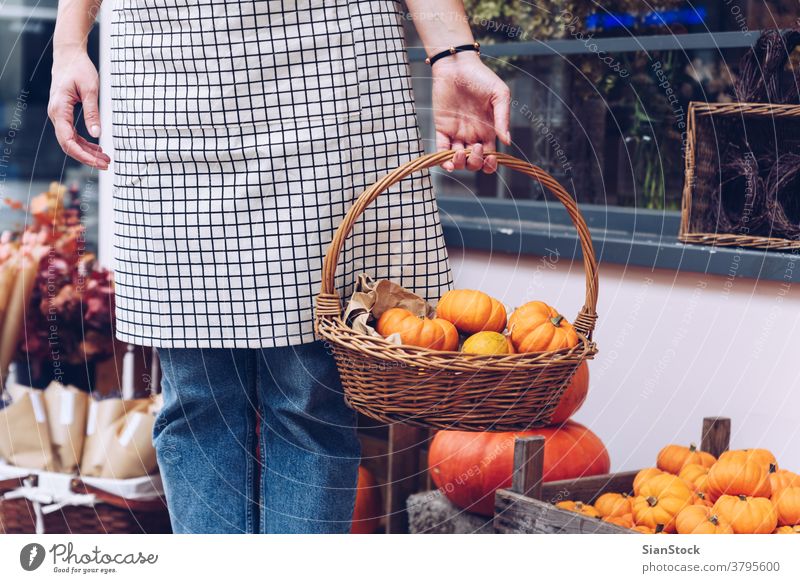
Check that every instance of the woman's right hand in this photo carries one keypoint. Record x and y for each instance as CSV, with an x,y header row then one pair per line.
x,y
75,80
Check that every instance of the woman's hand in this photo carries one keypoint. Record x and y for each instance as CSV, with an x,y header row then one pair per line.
x,y
74,81
471,108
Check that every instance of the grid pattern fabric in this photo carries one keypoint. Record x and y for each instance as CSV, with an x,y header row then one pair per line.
x,y
243,132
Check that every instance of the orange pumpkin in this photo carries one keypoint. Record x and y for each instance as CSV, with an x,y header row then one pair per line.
x,y
642,477
696,475
787,530
536,327
787,504
625,520
574,395
660,500
472,311
761,456
732,476
700,520
747,514
613,504
701,499
469,467
368,509
673,458
642,529
435,334
486,343
780,479
579,507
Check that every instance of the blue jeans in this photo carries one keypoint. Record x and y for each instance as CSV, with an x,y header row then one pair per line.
x,y
296,475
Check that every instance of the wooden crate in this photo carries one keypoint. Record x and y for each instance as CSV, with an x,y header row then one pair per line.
x,y
528,506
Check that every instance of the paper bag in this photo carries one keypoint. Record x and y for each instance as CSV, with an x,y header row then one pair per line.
x,y
24,432
66,418
130,447
100,420
371,299
18,302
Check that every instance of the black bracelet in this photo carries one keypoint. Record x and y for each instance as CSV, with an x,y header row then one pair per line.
x,y
452,51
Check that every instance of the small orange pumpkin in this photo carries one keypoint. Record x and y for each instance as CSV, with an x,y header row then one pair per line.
x,y
787,504
787,530
537,327
747,514
624,520
696,475
642,529
472,311
700,520
761,456
702,499
413,330
733,477
613,504
660,500
642,477
673,458
780,479
579,507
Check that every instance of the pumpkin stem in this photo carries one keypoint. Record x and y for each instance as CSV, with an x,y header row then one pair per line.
x,y
557,320
714,519
692,447
579,505
659,528
652,501
742,497
773,468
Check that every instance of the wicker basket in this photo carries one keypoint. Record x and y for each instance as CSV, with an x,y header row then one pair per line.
x,y
452,390
714,132
110,514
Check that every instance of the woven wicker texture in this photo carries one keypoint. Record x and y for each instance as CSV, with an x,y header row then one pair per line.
x,y
452,390
110,515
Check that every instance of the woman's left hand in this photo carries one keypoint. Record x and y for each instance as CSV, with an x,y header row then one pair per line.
x,y
471,108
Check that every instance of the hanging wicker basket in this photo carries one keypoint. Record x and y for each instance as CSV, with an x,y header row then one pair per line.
x,y
452,390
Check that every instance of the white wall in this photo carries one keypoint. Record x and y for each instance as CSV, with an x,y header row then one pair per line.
x,y
673,348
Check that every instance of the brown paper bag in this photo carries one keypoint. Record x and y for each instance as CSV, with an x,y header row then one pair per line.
x,y
66,418
100,419
24,433
8,274
372,298
18,303
130,447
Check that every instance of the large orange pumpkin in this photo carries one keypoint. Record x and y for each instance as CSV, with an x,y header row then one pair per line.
x,y
747,514
472,311
734,477
672,458
537,327
468,467
574,395
368,509
436,334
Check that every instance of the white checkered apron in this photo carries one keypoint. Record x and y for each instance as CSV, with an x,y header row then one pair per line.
x,y
243,132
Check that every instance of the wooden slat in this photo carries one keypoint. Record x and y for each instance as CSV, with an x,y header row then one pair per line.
x,y
517,514
405,475
587,489
528,466
716,437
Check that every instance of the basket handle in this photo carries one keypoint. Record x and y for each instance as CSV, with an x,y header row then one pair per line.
x,y
328,302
